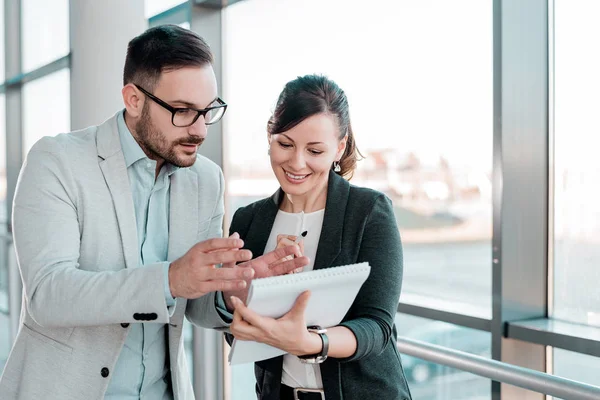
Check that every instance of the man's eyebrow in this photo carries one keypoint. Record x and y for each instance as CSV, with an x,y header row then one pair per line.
x,y
192,105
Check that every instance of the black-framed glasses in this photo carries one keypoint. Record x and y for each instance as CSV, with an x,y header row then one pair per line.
x,y
182,117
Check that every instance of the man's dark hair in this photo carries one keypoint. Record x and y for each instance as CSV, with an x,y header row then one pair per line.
x,y
163,48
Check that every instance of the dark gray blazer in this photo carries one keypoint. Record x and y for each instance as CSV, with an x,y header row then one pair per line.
x,y
359,225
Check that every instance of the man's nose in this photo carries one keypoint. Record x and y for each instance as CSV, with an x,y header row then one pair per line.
x,y
198,128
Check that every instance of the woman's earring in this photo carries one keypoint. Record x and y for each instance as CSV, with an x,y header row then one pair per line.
x,y
269,150
336,166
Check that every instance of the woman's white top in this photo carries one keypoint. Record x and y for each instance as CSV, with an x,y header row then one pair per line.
x,y
295,373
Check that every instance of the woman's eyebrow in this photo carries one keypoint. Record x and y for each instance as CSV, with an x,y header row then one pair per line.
x,y
292,140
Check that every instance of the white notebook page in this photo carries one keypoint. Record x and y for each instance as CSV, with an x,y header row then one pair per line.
x,y
332,292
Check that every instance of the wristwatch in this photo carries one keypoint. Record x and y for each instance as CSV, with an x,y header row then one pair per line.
x,y
322,356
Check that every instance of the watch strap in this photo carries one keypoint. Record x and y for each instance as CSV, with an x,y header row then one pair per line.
x,y
322,355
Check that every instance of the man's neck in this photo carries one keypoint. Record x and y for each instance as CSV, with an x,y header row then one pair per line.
x,y
131,127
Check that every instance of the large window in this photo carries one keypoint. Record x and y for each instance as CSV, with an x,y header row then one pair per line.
x,y
46,107
419,80
576,196
418,76
576,170
45,31
153,7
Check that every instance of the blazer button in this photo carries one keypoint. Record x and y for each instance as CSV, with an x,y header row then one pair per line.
x,y
124,324
104,372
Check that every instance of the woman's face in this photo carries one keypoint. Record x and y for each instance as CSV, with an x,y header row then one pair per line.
x,y
302,156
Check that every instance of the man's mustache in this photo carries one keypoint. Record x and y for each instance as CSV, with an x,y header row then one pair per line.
x,y
192,140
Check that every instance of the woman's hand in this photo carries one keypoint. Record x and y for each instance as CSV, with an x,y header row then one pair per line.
x,y
269,264
289,240
287,333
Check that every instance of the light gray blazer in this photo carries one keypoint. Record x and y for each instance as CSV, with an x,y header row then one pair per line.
x,y
76,242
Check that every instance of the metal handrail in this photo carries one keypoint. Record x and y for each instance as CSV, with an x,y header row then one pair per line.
x,y
498,371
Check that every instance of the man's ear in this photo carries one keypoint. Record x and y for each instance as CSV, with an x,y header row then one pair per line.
x,y
133,100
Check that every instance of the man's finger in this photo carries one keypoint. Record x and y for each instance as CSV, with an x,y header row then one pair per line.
x,y
235,273
222,257
221,286
219,243
288,266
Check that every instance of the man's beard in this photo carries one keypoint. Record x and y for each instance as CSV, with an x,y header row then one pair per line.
x,y
155,144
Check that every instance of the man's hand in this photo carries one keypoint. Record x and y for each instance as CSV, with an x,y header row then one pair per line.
x,y
268,264
195,273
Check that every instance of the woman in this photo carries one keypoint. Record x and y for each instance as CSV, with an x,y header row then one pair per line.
x,y
312,150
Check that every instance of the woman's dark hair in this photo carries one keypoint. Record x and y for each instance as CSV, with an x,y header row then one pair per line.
x,y
309,95
163,48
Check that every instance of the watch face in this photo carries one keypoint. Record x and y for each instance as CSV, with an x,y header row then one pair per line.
x,y
316,329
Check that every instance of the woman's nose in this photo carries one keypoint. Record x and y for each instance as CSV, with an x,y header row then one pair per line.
x,y
297,162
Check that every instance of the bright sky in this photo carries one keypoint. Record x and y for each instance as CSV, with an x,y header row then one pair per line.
x,y
418,74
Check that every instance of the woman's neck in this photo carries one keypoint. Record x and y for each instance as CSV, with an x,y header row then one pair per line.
x,y
312,201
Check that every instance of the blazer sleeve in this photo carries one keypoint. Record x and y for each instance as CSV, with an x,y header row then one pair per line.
x,y
371,317
239,224
202,311
47,243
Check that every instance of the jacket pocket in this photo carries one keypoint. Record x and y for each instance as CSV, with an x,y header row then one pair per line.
x,y
46,339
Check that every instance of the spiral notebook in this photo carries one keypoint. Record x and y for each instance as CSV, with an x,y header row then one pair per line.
x,y
332,292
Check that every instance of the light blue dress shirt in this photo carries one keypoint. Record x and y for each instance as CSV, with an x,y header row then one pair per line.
x,y
142,370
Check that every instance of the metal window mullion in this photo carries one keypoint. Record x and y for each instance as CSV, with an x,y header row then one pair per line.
x,y
14,146
520,181
208,348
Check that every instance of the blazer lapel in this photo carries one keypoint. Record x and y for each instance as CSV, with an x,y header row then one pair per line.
x,y
183,213
330,242
112,164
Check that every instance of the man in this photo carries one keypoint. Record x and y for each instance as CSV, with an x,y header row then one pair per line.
x,y
111,226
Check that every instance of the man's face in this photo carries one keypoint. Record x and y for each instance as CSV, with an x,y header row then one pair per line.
x,y
193,87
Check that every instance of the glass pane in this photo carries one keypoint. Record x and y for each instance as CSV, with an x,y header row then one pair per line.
x,y
576,170
46,107
579,367
45,32
436,382
4,319
5,342
243,381
188,336
3,216
2,41
154,7
427,65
